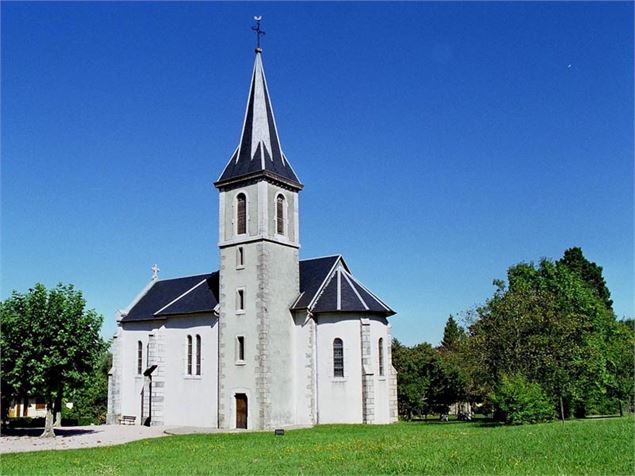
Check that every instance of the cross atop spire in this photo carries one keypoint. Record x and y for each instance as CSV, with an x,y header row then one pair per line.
x,y
259,152
259,33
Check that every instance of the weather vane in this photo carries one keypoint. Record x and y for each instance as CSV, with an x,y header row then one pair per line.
x,y
258,31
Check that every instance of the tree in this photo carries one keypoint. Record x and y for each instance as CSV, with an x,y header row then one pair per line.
x,y
453,335
620,362
549,326
520,401
415,367
448,383
590,273
49,341
90,400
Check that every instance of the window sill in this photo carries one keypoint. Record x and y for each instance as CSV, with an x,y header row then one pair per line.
x,y
240,267
339,379
192,377
240,312
240,363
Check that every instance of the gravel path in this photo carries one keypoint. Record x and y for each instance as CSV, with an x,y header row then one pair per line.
x,y
14,441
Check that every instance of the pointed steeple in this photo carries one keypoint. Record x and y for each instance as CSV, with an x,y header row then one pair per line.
x,y
259,152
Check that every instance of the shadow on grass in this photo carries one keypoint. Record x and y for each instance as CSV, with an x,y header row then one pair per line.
x,y
63,432
478,421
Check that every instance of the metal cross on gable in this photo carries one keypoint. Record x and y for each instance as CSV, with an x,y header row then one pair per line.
x,y
258,31
155,271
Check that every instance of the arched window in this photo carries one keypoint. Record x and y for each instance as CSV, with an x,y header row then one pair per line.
x,y
189,355
241,214
139,357
380,353
338,358
280,214
198,355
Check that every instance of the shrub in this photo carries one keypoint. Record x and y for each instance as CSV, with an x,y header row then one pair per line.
x,y
519,401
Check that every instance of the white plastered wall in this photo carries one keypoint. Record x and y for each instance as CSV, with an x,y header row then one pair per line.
x,y
131,382
339,399
191,399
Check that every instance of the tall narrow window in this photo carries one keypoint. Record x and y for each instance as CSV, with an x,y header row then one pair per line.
x,y
241,214
338,358
380,353
280,215
139,357
240,349
198,355
240,257
189,355
240,300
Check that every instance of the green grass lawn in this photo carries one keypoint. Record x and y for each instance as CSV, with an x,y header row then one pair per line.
x,y
576,447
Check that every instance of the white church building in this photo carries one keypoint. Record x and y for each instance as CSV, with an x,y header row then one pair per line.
x,y
268,340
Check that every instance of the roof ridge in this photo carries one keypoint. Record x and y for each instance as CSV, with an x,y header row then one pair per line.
x,y
355,290
325,282
322,257
176,299
184,277
371,294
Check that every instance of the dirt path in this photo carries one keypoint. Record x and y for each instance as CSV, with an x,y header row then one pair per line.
x,y
76,437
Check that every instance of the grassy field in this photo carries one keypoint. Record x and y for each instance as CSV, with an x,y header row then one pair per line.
x,y
576,447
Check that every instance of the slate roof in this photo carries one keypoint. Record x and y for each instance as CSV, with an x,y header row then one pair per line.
x,y
259,152
313,272
190,294
339,291
326,285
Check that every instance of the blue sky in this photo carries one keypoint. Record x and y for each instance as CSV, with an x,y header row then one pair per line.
x,y
439,143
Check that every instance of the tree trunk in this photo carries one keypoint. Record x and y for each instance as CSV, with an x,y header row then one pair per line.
x,y
58,410
561,409
48,422
621,410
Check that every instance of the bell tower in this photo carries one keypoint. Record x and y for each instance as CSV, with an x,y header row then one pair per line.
x,y
259,271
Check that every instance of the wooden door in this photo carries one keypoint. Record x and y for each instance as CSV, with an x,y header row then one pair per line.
x,y
241,410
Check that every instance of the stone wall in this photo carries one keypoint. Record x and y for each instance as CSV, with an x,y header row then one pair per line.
x,y
114,388
368,380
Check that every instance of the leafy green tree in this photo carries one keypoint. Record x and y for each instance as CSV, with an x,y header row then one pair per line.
x,y
547,325
448,383
415,367
90,400
520,401
453,335
590,273
49,341
620,363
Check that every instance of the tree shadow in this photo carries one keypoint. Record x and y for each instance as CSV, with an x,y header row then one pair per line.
x,y
478,421
61,432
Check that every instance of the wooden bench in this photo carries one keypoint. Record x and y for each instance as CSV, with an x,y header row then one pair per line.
x,y
127,420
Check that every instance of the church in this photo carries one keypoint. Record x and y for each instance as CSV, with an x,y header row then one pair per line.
x,y
268,340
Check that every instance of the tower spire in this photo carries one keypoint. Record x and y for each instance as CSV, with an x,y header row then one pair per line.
x,y
259,152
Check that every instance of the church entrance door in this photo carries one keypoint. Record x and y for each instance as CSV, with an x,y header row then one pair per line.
x,y
241,410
